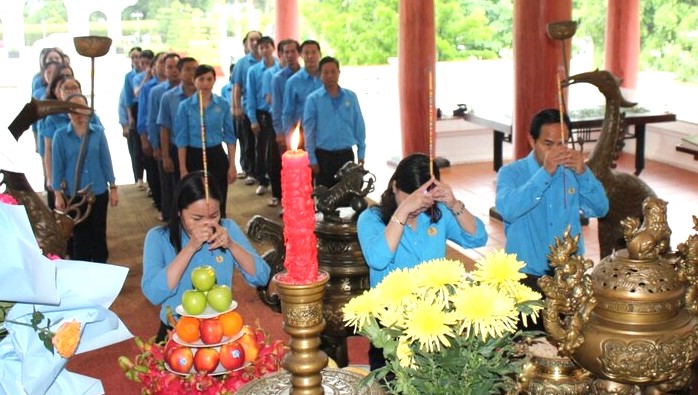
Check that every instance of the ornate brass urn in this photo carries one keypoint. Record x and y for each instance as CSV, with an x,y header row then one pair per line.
x,y
631,321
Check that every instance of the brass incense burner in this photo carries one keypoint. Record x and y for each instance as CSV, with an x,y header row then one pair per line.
x,y
632,321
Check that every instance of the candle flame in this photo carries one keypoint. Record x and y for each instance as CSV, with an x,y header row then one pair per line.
x,y
296,137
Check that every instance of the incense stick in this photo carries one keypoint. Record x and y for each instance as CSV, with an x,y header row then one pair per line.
x,y
431,122
562,138
203,144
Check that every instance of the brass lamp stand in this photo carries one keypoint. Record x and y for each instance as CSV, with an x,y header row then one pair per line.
x,y
301,306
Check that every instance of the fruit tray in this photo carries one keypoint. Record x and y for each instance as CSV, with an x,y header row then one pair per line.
x,y
199,343
208,311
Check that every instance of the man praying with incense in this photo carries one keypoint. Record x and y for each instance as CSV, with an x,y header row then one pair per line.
x,y
540,195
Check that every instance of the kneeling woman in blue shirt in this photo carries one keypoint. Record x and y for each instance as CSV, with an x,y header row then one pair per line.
x,y
195,236
417,215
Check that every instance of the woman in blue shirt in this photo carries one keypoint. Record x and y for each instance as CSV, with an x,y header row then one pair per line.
x,y
417,214
218,129
195,236
90,235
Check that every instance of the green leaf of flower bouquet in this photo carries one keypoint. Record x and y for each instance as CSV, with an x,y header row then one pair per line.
x,y
37,317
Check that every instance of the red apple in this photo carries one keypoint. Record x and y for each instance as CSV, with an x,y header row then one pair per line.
x,y
180,359
206,360
232,356
211,331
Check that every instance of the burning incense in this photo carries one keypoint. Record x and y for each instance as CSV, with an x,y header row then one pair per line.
x,y
203,144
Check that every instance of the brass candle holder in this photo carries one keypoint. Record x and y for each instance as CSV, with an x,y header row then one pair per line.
x,y
92,47
301,306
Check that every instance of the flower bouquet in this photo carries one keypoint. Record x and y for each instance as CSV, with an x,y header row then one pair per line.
x,y
446,331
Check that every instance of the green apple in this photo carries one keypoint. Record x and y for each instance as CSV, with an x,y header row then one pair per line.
x,y
220,297
193,302
203,278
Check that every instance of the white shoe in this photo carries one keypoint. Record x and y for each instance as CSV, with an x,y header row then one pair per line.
x,y
261,190
141,185
250,180
242,174
273,202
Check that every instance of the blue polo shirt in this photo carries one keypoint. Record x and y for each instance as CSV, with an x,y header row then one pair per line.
x,y
416,246
333,124
52,123
97,167
240,76
143,108
168,109
154,100
537,207
297,89
278,83
218,122
255,93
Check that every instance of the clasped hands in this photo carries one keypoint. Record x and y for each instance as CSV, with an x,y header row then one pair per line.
x,y
561,155
209,232
427,195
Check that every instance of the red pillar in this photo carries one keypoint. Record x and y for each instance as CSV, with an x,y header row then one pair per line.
x,y
416,58
537,63
286,20
622,44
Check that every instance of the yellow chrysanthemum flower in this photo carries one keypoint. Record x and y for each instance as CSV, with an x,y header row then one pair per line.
x,y
404,353
485,311
428,324
392,316
523,293
67,338
395,287
359,309
499,269
437,274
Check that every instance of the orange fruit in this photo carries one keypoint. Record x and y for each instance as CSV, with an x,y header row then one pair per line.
x,y
187,329
231,322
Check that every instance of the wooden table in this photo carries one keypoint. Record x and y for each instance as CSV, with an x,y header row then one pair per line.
x,y
685,148
502,131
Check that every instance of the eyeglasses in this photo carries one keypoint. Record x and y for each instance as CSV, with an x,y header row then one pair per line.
x,y
73,88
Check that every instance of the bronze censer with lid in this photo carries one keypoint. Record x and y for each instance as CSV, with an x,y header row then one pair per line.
x,y
632,321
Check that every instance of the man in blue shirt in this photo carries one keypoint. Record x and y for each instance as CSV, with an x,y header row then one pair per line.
x,y
542,194
258,111
290,54
333,124
154,99
243,129
166,121
300,85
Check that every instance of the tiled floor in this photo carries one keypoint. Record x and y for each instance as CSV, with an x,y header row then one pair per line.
x,y
475,185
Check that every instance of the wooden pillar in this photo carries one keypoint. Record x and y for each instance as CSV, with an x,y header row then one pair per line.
x,y
537,63
416,58
622,44
286,20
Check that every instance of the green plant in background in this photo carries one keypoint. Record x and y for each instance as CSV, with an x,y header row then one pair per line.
x,y
446,331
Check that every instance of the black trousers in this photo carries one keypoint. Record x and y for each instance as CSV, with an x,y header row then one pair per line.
x,y
135,150
151,169
168,182
262,141
274,170
90,236
217,168
330,162
243,131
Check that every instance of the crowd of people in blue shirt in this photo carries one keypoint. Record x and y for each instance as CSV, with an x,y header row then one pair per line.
x,y
177,128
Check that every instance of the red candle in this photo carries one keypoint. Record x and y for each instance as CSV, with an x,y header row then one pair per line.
x,y
299,215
